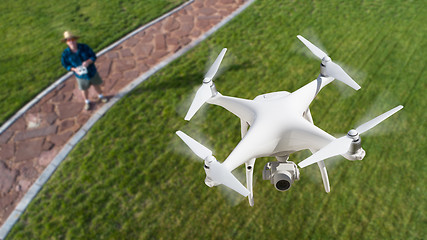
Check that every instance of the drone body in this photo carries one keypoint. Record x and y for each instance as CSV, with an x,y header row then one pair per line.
x,y
277,125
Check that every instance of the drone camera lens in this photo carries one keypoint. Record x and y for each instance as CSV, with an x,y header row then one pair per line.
x,y
283,185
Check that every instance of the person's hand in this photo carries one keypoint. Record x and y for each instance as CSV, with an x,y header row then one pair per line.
x,y
74,69
86,63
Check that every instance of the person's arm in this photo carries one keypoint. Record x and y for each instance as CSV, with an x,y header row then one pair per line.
x,y
66,64
91,55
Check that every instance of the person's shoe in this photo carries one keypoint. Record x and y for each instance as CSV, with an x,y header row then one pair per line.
x,y
87,106
104,99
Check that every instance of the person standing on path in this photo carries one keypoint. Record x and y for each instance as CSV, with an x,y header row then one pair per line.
x,y
80,59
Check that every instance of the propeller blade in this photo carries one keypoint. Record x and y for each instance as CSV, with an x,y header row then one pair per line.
x,y
220,174
372,123
217,172
315,50
200,150
202,95
214,68
341,145
205,92
335,71
337,147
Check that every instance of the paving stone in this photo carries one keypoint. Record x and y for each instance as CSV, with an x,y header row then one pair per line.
x,y
211,19
147,38
28,149
227,1
104,67
156,26
122,65
113,79
7,151
47,108
171,41
51,117
211,3
27,170
176,48
185,19
151,61
82,118
33,120
130,75
68,86
157,55
66,124
70,109
198,4
18,125
47,145
35,133
77,96
203,24
34,109
195,33
171,25
61,139
112,55
126,52
24,185
184,41
207,11
5,136
47,156
7,178
7,203
131,42
185,30
140,35
48,96
159,42
142,51
143,68
60,97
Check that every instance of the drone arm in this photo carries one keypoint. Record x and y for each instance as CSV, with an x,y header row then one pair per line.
x,y
243,127
306,94
242,108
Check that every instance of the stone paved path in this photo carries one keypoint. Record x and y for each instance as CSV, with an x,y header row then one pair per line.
x,y
33,140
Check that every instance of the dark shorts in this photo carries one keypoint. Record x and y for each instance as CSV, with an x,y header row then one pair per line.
x,y
84,84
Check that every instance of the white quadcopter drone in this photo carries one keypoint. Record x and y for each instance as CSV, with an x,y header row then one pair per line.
x,y
279,124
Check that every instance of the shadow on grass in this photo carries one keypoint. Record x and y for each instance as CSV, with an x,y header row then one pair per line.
x,y
188,81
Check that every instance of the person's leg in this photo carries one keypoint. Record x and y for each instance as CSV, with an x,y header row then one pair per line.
x,y
98,89
84,89
85,94
96,81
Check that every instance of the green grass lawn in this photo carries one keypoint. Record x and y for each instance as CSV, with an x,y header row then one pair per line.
x,y
31,33
132,178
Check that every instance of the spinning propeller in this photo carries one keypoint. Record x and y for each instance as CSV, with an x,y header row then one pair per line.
x,y
215,170
329,68
341,145
205,91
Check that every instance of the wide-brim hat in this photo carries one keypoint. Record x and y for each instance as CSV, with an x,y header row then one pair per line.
x,y
69,35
